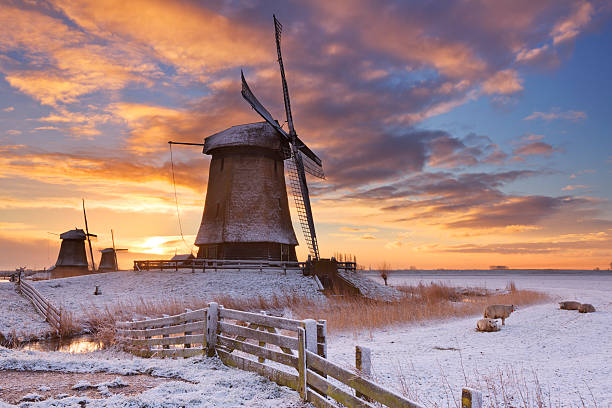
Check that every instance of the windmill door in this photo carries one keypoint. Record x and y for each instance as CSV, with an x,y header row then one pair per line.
x,y
284,252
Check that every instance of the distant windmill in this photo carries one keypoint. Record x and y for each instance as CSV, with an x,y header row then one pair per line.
x,y
108,260
246,213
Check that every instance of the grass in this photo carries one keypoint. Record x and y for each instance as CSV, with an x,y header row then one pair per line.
x,y
504,386
421,302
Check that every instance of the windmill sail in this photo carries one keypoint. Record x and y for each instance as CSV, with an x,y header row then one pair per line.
x,y
299,186
296,164
299,191
250,97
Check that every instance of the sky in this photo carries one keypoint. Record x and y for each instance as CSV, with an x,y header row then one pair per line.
x,y
453,134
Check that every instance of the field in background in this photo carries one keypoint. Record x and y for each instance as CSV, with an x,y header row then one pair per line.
x,y
343,313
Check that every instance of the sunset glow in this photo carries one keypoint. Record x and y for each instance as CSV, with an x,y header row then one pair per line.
x,y
452,135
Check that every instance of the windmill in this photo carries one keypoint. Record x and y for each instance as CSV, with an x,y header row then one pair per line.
x,y
246,212
301,158
108,259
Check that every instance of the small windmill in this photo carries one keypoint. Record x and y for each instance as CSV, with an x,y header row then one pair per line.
x,y
300,158
108,260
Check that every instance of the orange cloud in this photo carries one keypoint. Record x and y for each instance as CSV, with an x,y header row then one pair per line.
x,y
191,37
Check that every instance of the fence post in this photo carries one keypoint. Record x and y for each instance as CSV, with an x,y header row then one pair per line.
x,y
302,375
363,363
471,398
212,320
187,333
165,336
322,339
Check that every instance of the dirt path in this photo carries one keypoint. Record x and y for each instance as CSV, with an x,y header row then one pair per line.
x,y
48,384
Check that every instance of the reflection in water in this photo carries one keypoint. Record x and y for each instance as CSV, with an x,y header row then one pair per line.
x,y
78,344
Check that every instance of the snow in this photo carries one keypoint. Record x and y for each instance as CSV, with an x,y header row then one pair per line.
x,y
369,288
18,315
75,294
569,352
206,381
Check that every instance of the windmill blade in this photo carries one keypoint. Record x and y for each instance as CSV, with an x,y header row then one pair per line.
x,y
307,152
299,188
248,95
278,29
312,168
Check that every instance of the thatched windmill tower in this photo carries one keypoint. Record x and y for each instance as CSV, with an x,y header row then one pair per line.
x,y
246,213
72,257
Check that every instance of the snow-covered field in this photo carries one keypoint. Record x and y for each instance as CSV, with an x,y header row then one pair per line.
x,y
569,353
17,315
76,293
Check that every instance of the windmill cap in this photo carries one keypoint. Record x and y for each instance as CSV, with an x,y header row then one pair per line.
x,y
259,134
73,234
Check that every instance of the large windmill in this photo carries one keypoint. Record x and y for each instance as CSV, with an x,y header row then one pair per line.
x,y
246,213
301,159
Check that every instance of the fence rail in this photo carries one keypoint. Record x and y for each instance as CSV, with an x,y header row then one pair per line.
x,y
296,350
214,264
51,314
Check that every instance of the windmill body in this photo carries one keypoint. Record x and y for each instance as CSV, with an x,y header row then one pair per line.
x,y
72,257
108,259
246,213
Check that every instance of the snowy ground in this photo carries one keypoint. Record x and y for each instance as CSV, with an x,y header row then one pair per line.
x,y
570,353
206,382
76,293
17,315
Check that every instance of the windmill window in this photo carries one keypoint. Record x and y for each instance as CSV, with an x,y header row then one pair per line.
x,y
280,204
275,167
222,163
217,212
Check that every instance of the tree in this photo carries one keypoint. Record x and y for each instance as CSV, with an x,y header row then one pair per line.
x,y
384,271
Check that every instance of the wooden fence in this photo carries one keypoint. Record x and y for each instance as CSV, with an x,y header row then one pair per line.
x,y
292,353
213,264
51,314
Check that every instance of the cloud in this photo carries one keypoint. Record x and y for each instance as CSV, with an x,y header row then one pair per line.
x,y
569,27
358,229
556,113
572,187
574,244
535,148
367,237
9,109
504,82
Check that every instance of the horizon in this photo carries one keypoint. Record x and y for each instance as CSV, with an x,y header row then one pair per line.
x,y
456,142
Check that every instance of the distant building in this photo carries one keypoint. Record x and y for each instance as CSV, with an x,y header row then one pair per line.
x,y
500,267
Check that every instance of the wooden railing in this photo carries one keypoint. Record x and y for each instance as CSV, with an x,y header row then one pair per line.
x,y
51,314
296,349
213,264
181,335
